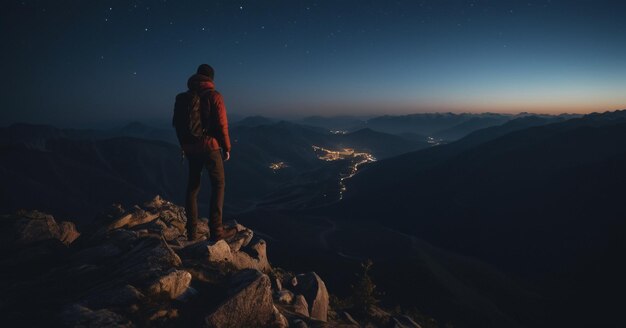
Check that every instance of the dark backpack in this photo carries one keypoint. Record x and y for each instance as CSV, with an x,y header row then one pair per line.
x,y
189,120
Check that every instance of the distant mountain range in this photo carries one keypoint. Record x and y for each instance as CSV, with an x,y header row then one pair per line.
x,y
542,201
446,126
518,223
514,225
45,167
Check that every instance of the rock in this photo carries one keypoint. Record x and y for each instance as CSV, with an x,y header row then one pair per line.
x,y
299,323
109,246
146,261
404,321
68,232
133,218
203,226
346,316
243,260
278,319
171,220
285,296
253,257
218,252
249,303
301,306
156,203
27,227
124,268
277,285
241,239
174,284
188,294
158,317
378,313
123,296
314,290
80,316
289,281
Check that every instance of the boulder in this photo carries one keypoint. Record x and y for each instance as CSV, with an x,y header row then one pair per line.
x,y
241,239
314,290
146,261
171,220
133,218
174,284
289,281
249,302
28,227
218,252
285,296
253,257
80,316
299,323
278,319
105,247
123,296
301,306
68,232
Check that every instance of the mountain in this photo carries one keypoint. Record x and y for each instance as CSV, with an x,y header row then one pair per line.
x,y
513,225
472,124
417,127
253,121
305,179
381,144
88,173
411,273
540,202
142,131
334,123
49,168
136,267
436,124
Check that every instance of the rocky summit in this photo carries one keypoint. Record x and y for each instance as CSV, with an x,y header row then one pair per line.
x,y
135,268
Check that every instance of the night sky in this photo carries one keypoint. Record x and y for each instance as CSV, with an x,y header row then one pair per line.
x,y
97,62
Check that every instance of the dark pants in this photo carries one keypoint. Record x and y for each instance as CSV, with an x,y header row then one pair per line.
x,y
215,166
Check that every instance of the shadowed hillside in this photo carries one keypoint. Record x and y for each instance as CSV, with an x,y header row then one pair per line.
x,y
542,202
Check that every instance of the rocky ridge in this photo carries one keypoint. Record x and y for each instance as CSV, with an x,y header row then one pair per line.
x,y
135,268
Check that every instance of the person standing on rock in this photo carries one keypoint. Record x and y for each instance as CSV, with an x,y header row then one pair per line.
x,y
202,130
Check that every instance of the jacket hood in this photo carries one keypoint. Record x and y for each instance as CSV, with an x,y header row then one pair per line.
x,y
199,82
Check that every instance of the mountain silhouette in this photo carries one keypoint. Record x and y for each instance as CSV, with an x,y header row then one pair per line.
x,y
541,202
48,168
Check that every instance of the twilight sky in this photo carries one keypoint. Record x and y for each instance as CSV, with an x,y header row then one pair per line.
x,y
70,62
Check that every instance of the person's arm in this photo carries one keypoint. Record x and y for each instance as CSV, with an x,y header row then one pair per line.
x,y
222,128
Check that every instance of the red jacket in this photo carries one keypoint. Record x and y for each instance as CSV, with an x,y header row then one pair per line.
x,y
213,102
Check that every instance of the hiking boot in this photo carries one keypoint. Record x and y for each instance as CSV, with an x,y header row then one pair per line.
x,y
222,233
194,235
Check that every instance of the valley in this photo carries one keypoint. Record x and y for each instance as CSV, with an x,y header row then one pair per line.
x,y
445,222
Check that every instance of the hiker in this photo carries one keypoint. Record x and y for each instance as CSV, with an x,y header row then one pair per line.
x,y
202,130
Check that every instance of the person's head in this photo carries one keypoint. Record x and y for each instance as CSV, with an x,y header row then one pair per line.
x,y
206,70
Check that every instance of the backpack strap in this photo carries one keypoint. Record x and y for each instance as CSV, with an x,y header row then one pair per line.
x,y
204,120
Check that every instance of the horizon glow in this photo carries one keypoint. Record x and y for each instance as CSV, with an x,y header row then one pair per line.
x,y
79,62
